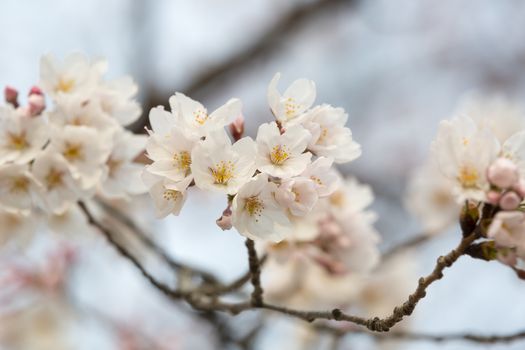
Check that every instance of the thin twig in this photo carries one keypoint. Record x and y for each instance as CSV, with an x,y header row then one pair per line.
x,y
255,273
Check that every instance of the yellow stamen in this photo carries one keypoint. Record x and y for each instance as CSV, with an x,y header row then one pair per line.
x,y
65,85
183,161
19,184
468,177
290,107
338,199
316,180
279,155
54,179
18,142
254,206
73,152
172,195
222,172
113,166
201,116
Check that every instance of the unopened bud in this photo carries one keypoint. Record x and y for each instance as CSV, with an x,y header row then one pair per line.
x,y
493,197
503,173
510,201
35,90
37,104
520,188
225,221
11,95
237,127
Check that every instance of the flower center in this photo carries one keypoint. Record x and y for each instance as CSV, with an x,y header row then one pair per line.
x,y
19,184
73,152
18,142
254,206
65,85
323,136
222,172
113,166
279,155
54,179
183,161
201,116
337,199
468,177
172,195
316,180
290,108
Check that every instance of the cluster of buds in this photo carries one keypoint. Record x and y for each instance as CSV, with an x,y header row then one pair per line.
x,y
36,102
508,190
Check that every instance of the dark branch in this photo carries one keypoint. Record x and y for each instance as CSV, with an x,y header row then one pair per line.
x,y
255,273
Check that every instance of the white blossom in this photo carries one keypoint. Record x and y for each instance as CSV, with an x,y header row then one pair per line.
x,y
59,189
18,188
168,196
85,151
255,212
508,230
121,175
326,179
330,136
75,74
195,118
464,152
298,195
116,99
17,228
21,137
282,155
219,166
296,99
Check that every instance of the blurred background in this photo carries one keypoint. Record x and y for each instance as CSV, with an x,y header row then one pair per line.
x,y
397,67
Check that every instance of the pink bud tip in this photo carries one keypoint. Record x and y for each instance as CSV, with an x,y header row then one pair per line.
x,y
36,104
493,197
510,201
35,90
11,95
237,127
503,173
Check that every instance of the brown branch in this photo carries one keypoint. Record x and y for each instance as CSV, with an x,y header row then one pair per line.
x,y
255,274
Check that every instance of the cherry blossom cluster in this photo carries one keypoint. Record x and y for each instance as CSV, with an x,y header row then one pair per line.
x,y
50,158
478,158
273,182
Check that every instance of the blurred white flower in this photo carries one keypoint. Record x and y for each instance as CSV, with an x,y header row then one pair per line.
x,y
17,228
121,175
59,189
296,99
75,74
298,195
464,152
508,230
195,118
326,179
21,137
18,188
330,136
85,151
219,166
255,212
498,114
429,198
281,155
116,99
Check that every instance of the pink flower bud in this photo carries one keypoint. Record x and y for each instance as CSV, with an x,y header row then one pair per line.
x,y
503,173
225,221
520,188
35,90
36,104
237,127
11,95
493,197
510,201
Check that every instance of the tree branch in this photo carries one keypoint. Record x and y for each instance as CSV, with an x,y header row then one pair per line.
x,y
255,273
